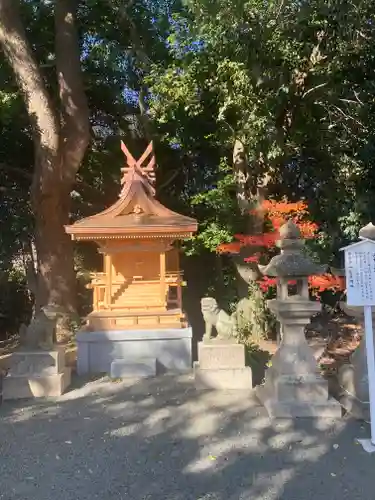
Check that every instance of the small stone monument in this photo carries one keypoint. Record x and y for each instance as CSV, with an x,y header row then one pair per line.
x,y
353,377
221,360
293,384
37,368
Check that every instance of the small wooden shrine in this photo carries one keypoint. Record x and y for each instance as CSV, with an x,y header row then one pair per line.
x,y
140,286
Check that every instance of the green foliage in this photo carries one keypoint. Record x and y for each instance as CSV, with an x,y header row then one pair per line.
x,y
295,82
217,211
15,303
254,319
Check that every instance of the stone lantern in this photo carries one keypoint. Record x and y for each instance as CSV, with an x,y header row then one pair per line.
x,y
353,377
293,384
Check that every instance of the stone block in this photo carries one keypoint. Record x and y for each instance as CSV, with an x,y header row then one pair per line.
x,y
223,379
22,387
125,368
221,366
38,373
171,347
221,354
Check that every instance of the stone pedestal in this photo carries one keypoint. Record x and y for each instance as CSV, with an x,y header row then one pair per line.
x,y
221,365
117,351
293,385
35,374
353,377
130,369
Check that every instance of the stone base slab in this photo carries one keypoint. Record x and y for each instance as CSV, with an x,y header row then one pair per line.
x,y
22,386
221,354
97,350
298,409
143,368
223,379
358,409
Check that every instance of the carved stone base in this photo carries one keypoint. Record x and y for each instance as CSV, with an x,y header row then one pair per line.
x,y
35,374
221,366
293,397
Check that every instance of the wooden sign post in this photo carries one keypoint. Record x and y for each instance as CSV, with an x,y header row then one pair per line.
x,y
360,291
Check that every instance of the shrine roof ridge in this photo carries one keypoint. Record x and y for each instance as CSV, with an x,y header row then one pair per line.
x,y
136,210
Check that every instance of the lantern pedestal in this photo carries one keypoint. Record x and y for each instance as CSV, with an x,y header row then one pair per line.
x,y
353,377
293,385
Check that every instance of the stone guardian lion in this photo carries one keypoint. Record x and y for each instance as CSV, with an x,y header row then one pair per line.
x,y
214,317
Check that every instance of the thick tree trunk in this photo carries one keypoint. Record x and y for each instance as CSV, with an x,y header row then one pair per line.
x,y
56,277
61,135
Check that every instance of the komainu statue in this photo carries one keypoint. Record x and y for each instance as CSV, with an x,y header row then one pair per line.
x,y
214,317
41,332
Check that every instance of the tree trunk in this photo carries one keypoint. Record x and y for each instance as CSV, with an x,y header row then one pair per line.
x,y
60,134
249,197
56,277
242,176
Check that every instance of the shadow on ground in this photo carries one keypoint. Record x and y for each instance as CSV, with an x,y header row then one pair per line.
x,y
161,439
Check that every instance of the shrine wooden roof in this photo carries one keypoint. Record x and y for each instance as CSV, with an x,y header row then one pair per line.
x,y
137,213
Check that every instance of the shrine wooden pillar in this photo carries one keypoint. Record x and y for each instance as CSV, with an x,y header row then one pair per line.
x,y
95,298
108,273
179,289
163,289
179,296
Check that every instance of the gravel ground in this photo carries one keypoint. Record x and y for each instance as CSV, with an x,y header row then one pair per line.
x,y
163,440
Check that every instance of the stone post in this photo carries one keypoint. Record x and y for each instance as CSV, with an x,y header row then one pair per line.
x,y
293,384
353,377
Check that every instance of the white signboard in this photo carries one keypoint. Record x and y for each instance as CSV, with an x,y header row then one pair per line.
x,y
360,273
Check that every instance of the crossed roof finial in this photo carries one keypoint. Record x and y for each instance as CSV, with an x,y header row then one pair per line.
x,y
146,171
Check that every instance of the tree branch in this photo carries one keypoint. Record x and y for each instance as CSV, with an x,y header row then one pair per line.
x,y
137,44
168,181
75,134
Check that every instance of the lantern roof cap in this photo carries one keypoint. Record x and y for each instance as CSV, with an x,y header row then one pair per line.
x,y
290,231
293,261
367,232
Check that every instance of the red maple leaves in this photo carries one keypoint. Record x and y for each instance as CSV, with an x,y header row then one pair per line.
x,y
277,214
